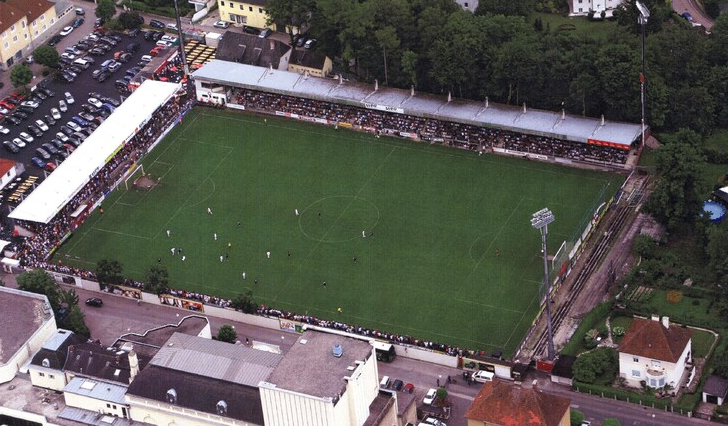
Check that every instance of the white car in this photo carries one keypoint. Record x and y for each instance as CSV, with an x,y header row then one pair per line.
x,y
62,105
433,421
62,137
69,56
73,126
169,38
69,98
4,130
3,111
147,58
66,31
171,27
26,137
430,397
221,24
55,113
41,125
19,143
164,43
95,102
483,376
32,104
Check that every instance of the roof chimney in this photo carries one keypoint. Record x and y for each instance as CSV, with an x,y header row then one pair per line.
x,y
602,119
524,107
449,96
376,85
341,79
666,322
563,114
655,317
412,90
133,365
486,102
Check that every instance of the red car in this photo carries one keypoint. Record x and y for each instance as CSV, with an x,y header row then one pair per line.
x,y
50,166
7,105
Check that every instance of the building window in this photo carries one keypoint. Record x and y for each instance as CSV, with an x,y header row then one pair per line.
x,y
114,406
52,21
108,405
260,10
635,373
25,36
7,44
222,3
41,374
12,28
655,364
15,38
250,8
466,5
42,17
635,359
5,34
22,23
581,10
44,28
50,376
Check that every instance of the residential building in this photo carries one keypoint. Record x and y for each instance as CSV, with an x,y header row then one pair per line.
x,y
46,367
26,321
251,13
470,5
313,63
24,26
654,352
251,50
326,379
583,7
501,403
9,170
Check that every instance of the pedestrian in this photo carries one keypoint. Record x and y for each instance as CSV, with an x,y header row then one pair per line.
x,y
159,260
438,382
179,250
255,281
220,258
267,254
354,259
209,210
172,251
363,234
227,257
449,380
214,236
101,210
247,341
183,258
371,234
497,253
324,284
265,120
139,302
238,224
319,215
229,244
168,232
289,254
296,212
243,275
339,310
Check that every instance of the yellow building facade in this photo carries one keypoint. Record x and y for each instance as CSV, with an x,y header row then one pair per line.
x,y
24,25
250,13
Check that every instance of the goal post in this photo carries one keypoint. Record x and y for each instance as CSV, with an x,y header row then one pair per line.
x,y
133,176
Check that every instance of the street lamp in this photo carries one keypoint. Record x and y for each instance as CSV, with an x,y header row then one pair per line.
x,y
541,220
642,21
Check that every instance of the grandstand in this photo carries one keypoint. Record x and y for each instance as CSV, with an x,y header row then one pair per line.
x,y
486,126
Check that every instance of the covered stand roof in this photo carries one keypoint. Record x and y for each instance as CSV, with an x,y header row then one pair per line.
x,y
507,117
80,167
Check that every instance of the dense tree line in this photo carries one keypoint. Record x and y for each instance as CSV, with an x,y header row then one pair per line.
x,y
512,58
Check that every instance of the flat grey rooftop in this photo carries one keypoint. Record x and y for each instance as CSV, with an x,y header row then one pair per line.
x,y
93,418
310,367
96,389
21,315
217,360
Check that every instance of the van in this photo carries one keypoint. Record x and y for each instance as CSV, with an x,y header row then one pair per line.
x,y
82,63
483,376
384,384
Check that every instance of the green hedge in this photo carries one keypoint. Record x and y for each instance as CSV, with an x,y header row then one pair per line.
x,y
622,395
589,321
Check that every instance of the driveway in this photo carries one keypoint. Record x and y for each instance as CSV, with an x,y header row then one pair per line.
x,y
696,10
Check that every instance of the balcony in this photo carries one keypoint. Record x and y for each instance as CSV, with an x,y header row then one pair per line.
x,y
655,378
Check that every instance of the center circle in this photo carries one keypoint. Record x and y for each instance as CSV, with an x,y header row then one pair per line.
x,y
338,218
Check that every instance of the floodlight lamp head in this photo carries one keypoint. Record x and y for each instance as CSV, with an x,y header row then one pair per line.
x,y
644,11
541,212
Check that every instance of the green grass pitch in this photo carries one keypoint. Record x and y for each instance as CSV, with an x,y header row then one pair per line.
x,y
452,258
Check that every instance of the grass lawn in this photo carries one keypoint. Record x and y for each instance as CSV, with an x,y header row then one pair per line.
x,y
449,253
623,322
579,26
688,309
702,341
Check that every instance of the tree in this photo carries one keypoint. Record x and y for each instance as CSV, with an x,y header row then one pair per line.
x,y
109,272
68,298
505,7
244,302
409,66
717,250
441,394
38,281
387,39
157,280
589,366
290,14
105,9
46,55
20,75
76,322
576,417
227,333
130,20
644,246
677,198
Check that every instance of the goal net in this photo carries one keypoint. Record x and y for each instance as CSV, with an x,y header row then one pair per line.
x,y
131,180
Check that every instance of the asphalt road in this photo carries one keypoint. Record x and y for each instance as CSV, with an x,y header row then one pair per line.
x,y
696,10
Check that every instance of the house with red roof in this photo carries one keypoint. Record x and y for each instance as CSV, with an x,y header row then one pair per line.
x,y
501,403
655,352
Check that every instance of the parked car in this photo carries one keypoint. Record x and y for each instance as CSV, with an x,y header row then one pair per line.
x,y
54,40
26,137
38,162
221,24
433,421
19,142
134,32
50,121
482,376
77,22
11,147
80,11
66,31
251,30
430,397
62,105
310,43
73,126
301,40
397,385
114,66
35,130
50,148
171,26
265,33
95,302
156,24
42,153
47,91
69,98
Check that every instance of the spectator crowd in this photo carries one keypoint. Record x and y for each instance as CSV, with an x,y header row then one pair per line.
x,y
451,133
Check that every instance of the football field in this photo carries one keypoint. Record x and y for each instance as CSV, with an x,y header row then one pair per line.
x,y
409,238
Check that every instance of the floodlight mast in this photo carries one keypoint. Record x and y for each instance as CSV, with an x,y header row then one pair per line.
x,y
541,220
642,21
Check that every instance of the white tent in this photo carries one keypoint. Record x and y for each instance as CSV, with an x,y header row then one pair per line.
x,y
80,167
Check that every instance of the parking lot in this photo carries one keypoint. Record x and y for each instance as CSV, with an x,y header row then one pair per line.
x,y
81,112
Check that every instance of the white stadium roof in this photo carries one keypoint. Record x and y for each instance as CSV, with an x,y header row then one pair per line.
x,y
508,117
70,177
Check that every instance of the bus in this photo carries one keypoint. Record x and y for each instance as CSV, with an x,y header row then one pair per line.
x,y
385,351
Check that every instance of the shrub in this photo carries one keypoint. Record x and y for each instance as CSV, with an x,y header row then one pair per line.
x,y
590,366
576,417
674,296
618,331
